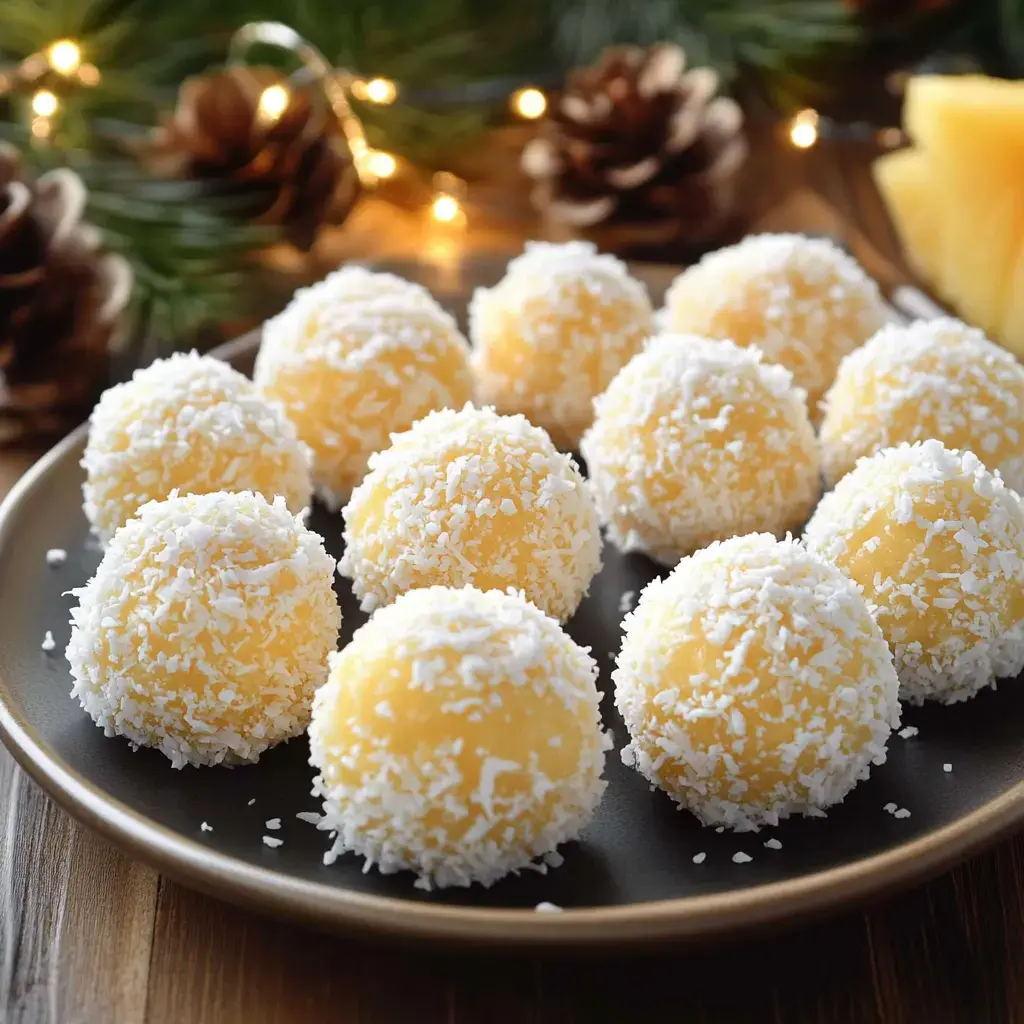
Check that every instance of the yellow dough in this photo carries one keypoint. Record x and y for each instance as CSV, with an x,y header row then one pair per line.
x,y
755,684
206,629
802,301
552,334
353,359
932,379
192,424
471,497
696,441
459,737
937,543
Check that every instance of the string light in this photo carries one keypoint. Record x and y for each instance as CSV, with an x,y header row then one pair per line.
x,y
381,164
273,103
42,127
65,57
381,91
89,74
803,129
44,103
446,207
529,103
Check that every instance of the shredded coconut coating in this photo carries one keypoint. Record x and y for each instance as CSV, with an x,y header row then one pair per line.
x,y
554,332
931,379
458,736
355,358
696,441
471,497
206,629
936,542
190,424
802,301
755,684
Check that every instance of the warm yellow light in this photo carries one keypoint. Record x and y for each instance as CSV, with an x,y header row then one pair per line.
x,y
89,74
529,103
445,209
803,130
381,164
42,127
273,103
64,56
44,103
380,90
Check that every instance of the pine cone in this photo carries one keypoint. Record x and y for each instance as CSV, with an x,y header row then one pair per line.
x,y
640,150
295,170
62,301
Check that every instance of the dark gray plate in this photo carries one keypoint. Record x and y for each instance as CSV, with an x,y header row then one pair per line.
x,y
630,877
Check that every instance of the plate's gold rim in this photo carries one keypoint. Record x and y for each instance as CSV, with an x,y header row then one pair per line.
x,y
329,906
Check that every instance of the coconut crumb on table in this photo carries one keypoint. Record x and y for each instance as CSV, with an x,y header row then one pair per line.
x,y
48,643
627,601
741,858
313,817
56,556
273,842
907,732
889,808
273,824
773,844
251,802
901,813
544,907
204,827
947,767
699,858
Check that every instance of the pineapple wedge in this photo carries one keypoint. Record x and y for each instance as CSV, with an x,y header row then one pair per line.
x,y
972,131
904,180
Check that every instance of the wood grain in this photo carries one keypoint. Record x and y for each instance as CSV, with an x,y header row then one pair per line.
x,y
86,936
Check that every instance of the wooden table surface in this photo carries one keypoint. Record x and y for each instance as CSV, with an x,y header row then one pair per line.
x,y
87,935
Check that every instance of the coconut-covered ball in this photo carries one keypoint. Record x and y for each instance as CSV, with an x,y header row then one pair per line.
x,y
353,359
190,424
554,331
936,542
698,440
458,737
755,684
802,301
932,379
472,497
206,629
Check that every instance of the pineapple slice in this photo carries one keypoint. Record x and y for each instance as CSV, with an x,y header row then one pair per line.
x,y
904,180
1011,328
972,130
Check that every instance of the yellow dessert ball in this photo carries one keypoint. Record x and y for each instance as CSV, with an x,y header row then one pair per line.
x,y
472,497
190,424
355,358
206,629
699,440
936,542
554,331
802,301
932,379
459,737
755,684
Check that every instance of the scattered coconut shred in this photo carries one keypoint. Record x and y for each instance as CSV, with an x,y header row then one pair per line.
x,y
547,908
273,842
48,643
56,556
273,824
